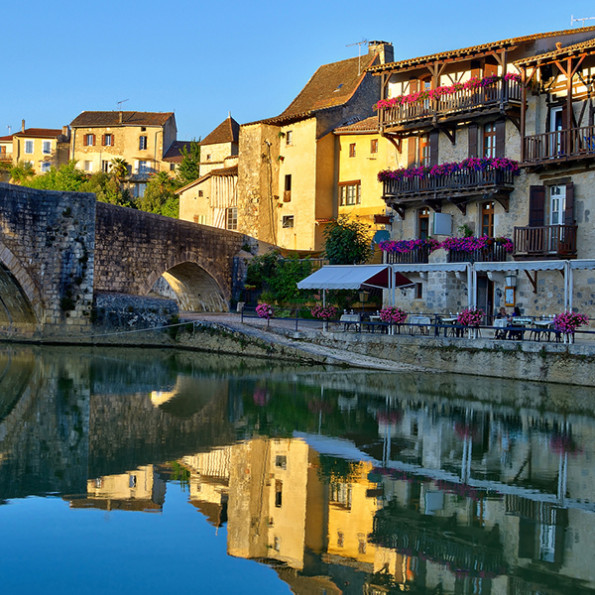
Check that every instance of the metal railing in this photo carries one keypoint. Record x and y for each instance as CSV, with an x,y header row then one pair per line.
x,y
545,241
465,100
493,253
418,256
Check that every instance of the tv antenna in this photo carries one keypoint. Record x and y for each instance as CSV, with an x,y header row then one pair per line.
x,y
581,20
119,103
9,129
359,62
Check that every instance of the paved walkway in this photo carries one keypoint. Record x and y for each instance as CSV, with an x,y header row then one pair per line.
x,y
278,332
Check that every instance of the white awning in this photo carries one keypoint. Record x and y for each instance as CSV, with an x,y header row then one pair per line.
x,y
522,265
350,277
452,267
582,264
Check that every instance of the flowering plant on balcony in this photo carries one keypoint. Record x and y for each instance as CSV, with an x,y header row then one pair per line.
x,y
470,317
446,169
406,246
393,315
321,313
264,311
438,92
568,322
472,243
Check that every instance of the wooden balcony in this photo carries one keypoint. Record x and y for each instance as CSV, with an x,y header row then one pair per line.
x,y
494,253
498,96
417,256
457,183
558,146
544,242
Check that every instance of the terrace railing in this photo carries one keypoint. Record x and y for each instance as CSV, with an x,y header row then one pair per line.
x,y
560,145
465,100
417,256
546,241
493,253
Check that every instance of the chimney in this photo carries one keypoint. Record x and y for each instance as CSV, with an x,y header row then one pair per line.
x,y
66,132
23,125
120,117
384,49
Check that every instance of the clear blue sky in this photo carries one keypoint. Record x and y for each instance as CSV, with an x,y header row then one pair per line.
x,y
203,59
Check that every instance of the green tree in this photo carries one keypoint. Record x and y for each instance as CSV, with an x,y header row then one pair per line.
x,y
160,196
347,241
67,177
189,167
22,172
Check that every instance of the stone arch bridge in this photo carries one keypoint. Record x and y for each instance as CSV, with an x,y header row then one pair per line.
x,y
60,250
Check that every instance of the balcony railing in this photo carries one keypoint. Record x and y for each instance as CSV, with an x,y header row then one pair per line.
x,y
560,145
494,253
465,100
546,241
450,183
417,256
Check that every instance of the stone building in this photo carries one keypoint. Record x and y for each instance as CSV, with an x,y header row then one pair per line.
x,y
288,165
41,147
142,139
492,140
219,146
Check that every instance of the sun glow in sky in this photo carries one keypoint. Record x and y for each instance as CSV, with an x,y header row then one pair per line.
x,y
203,60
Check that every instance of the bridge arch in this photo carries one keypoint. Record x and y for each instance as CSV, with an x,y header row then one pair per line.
x,y
196,289
20,302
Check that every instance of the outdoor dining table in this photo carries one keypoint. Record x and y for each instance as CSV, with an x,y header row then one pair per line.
x,y
349,320
511,329
423,322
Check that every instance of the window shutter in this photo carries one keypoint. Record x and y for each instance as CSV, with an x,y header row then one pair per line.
x,y
434,137
413,86
473,140
475,69
569,209
490,69
500,138
93,140
85,140
536,206
411,151
103,139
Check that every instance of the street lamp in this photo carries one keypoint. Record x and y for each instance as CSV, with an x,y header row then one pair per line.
x,y
363,298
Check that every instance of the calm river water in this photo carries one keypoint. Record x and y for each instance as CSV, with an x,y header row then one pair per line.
x,y
156,471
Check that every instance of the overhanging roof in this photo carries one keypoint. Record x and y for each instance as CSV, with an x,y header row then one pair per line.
x,y
527,265
351,277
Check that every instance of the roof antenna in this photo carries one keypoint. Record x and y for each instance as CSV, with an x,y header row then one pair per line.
x,y
582,20
119,103
359,62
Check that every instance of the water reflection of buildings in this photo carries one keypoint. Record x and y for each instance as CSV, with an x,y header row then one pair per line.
x,y
139,490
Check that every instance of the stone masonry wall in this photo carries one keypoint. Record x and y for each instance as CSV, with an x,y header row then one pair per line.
x,y
47,241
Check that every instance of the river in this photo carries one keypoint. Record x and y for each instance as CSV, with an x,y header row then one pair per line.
x,y
156,470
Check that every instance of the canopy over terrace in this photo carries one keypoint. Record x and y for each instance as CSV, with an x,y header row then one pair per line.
x,y
354,277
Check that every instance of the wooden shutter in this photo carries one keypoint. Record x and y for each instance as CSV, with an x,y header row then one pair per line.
x,y
85,139
500,138
413,85
475,69
536,206
569,209
103,140
434,137
490,69
93,140
473,140
411,151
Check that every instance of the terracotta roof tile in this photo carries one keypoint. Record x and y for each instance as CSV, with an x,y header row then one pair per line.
x,y
6,138
174,153
92,119
227,132
469,51
562,52
363,126
40,133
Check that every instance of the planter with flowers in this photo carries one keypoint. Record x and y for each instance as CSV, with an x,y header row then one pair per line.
x,y
394,316
265,311
567,323
471,318
325,314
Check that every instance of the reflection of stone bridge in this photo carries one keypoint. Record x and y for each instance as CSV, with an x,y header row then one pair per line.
x,y
58,250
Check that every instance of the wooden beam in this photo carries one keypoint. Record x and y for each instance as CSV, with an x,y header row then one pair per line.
x,y
462,206
532,280
503,200
451,133
397,142
434,204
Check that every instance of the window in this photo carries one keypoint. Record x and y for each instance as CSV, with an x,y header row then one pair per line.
x,y
361,544
489,140
172,167
418,291
231,218
105,166
200,193
423,157
142,143
278,493
139,190
277,544
557,204
487,219
340,539
144,167
45,167
200,219
29,146
108,140
287,221
374,146
289,137
89,140
287,189
281,461
132,481
209,157
340,493
352,150
46,147
88,166
350,193
423,223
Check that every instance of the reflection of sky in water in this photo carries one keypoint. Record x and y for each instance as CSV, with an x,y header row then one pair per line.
x,y
332,479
